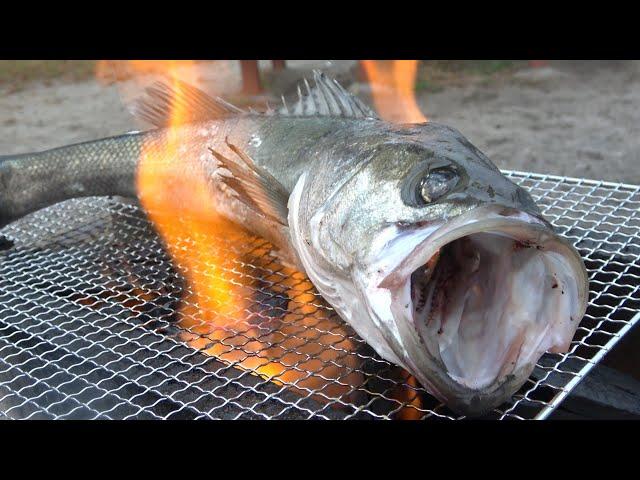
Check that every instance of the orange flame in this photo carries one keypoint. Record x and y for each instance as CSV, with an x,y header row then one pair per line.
x,y
309,349
180,204
109,71
392,86
214,313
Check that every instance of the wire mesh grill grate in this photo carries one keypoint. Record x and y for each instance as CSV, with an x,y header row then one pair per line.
x,y
96,322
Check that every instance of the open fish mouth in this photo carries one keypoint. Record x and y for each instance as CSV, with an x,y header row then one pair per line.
x,y
484,296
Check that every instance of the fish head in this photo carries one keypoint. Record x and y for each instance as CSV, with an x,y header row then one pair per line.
x,y
440,262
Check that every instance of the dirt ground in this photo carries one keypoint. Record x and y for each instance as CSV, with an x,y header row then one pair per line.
x,y
568,118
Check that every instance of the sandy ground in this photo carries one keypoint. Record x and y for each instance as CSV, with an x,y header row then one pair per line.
x,y
570,118
580,119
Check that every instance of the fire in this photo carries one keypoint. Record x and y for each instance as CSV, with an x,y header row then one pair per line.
x,y
109,71
308,349
214,313
392,86
180,204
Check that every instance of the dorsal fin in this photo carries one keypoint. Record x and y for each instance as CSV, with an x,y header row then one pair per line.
x,y
326,98
161,100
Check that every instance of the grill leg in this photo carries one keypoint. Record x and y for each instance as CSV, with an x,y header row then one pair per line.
x,y
250,77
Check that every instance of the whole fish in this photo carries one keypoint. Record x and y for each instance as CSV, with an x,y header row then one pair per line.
x,y
443,265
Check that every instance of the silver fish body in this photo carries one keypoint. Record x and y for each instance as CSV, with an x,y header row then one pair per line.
x,y
437,260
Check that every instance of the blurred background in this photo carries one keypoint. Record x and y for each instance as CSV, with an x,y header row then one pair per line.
x,y
575,118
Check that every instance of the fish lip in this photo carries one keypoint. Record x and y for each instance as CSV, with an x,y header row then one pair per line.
x,y
475,403
482,219
430,370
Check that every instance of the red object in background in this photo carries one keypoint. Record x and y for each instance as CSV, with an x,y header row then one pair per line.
x,y
538,63
278,65
250,77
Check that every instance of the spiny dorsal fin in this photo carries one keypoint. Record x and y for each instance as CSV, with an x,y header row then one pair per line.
x,y
162,99
326,98
252,185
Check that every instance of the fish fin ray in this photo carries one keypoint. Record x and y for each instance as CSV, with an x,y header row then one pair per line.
x,y
326,98
252,185
160,101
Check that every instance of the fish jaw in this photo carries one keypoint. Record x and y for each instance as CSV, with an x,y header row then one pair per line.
x,y
469,305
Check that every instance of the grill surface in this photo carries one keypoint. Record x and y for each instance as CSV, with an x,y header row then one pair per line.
x,y
96,322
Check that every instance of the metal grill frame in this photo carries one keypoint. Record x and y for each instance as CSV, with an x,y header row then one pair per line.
x,y
609,241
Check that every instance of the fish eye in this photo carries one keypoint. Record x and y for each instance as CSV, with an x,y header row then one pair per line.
x,y
427,183
435,184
